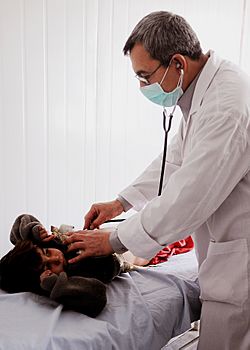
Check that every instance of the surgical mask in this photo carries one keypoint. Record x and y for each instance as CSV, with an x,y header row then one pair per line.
x,y
156,94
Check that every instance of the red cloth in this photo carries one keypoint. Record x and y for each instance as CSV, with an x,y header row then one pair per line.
x,y
182,246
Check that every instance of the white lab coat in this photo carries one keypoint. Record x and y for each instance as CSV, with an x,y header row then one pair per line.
x,y
206,192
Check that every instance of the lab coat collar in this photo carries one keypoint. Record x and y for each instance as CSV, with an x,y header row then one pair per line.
x,y
185,101
208,72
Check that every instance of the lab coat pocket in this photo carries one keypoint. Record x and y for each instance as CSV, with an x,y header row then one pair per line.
x,y
223,276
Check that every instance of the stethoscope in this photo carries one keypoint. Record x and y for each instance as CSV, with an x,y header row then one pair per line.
x,y
166,131
165,147
164,154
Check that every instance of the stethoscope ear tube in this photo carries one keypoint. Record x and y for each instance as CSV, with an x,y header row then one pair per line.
x,y
163,164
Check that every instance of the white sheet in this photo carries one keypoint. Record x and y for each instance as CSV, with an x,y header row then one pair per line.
x,y
145,309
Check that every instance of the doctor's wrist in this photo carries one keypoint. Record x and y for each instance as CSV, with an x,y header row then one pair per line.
x,y
125,204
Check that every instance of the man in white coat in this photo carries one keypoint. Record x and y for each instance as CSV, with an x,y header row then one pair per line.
x,y
207,180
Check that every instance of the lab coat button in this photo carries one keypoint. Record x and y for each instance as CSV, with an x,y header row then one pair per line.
x,y
212,240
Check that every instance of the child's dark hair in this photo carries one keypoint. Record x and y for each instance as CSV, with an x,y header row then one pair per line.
x,y
20,269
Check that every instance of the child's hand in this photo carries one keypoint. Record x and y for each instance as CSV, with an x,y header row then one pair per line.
x,y
45,274
44,236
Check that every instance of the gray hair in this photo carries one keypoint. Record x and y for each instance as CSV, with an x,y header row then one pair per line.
x,y
164,34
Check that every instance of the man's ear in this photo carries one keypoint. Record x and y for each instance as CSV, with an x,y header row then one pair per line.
x,y
179,61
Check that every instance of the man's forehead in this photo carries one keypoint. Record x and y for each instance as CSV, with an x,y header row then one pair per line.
x,y
141,60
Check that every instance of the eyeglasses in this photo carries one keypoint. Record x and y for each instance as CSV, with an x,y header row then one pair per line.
x,y
145,78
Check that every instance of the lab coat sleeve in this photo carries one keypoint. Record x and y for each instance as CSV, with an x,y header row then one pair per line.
x,y
216,160
145,187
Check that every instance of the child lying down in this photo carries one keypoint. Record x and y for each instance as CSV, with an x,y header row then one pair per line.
x,y
39,263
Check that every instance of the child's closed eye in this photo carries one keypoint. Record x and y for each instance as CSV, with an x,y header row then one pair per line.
x,y
46,252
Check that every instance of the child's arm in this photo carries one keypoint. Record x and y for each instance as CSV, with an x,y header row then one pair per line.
x,y
85,295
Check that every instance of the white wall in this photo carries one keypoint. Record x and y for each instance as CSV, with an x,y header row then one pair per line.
x,y
74,127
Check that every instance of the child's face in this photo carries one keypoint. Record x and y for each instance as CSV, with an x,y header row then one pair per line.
x,y
53,259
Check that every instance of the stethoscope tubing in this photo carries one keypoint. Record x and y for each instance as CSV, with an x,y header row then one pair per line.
x,y
164,155
163,164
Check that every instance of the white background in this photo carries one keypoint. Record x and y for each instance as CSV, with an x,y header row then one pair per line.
x,y
74,128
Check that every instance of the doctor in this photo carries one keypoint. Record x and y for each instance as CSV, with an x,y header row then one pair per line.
x,y
207,180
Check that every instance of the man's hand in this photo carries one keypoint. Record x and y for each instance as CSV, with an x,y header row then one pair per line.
x,y
101,212
89,243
